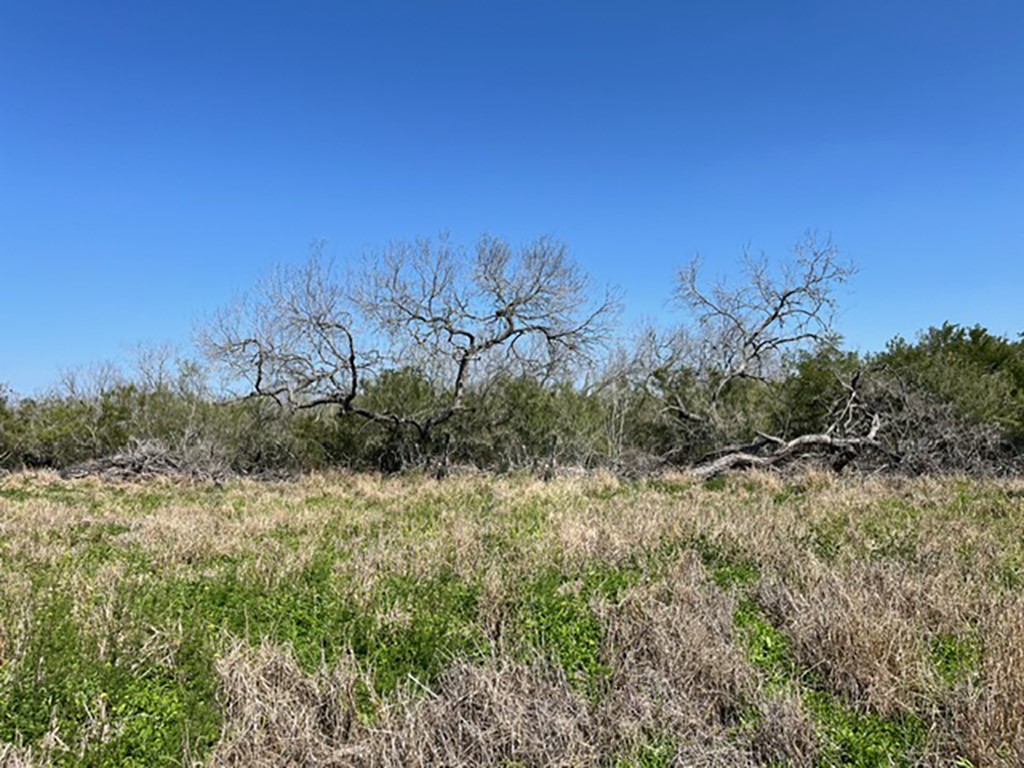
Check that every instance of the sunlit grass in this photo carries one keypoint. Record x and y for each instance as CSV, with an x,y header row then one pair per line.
x,y
588,620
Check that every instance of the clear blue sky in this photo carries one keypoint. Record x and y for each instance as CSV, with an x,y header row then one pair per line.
x,y
157,158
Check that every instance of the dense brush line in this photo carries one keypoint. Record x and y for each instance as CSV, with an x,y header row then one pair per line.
x,y
952,401
432,355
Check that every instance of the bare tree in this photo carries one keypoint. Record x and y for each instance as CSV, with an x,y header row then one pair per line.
x,y
878,417
741,332
293,340
744,333
314,336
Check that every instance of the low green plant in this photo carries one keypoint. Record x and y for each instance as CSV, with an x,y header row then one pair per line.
x,y
656,752
791,492
554,616
718,483
847,736
767,648
727,564
111,703
956,657
862,739
436,621
827,538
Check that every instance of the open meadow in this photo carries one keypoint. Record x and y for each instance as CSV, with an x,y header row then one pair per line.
x,y
503,621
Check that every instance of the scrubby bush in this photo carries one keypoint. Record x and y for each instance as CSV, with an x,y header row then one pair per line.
x,y
980,374
807,397
521,422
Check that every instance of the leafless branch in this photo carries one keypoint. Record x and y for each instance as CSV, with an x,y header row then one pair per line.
x,y
743,330
312,337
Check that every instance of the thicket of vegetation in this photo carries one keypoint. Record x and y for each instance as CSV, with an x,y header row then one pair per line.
x,y
433,356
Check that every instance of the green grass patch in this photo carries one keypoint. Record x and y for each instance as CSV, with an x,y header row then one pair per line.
x,y
767,648
729,567
827,538
891,532
1009,573
847,737
433,621
526,522
667,487
17,494
863,740
554,616
152,706
791,492
291,537
956,657
68,495
147,502
656,752
156,705
324,501
406,628
719,483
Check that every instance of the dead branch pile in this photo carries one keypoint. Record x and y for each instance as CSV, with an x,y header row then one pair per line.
x,y
883,423
145,459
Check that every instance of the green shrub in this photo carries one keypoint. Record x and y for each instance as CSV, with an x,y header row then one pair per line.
x,y
981,374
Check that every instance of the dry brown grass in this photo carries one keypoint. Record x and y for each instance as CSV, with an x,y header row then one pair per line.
x,y
866,579
676,667
496,713
987,719
786,733
860,631
277,715
16,757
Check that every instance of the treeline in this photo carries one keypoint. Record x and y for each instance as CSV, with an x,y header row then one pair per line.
x,y
435,357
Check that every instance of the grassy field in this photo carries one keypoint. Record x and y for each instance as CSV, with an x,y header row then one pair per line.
x,y
353,620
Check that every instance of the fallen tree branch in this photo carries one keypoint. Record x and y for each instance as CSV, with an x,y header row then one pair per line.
x,y
793,449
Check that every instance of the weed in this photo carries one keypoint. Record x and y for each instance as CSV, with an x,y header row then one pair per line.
x,y
826,538
290,536
137,713
719,483
308,611
1009,572
327,501
864,740
956,657
891,533
526,522
609,582
17,494
669,487
728,566
421,626
767,648
655,752
847,737
555,617
789,493
146,503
